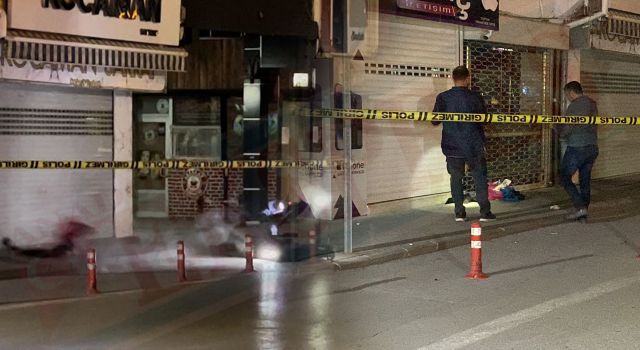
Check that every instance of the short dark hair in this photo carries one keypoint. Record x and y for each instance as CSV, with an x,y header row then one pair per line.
x,y
460,73
573,86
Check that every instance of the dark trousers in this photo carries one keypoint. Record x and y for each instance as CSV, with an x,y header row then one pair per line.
x,y
478,168
578,159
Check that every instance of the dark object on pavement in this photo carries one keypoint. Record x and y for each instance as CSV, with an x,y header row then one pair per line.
x,y
70,231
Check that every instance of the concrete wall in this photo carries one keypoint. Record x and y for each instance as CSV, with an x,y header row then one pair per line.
x,y
519,31
540,9
123,151
625,5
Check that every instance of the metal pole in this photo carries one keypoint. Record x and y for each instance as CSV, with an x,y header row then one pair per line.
x,y
348,219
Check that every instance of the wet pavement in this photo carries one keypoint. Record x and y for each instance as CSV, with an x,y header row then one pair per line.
x,y
569,285
214,248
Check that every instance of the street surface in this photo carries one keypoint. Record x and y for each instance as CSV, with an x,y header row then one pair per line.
x,y
569,286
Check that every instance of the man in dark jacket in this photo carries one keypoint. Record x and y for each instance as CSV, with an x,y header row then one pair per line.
x,y
582,149
464,143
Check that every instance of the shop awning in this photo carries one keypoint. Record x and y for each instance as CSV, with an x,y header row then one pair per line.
x,y
65,49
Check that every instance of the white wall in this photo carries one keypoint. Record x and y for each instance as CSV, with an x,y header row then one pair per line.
x,y
526,32
540,8
123,151
625,5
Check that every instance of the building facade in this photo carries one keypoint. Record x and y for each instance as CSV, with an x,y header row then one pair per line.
x,y
67,74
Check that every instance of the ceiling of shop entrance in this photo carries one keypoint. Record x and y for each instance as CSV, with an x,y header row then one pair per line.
x,y
548,9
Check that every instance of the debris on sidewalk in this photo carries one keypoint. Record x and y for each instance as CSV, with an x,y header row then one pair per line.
x,y
504,191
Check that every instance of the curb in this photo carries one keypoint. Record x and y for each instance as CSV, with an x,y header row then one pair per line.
x,y
13,273
383,255
111,293
307,268
421,247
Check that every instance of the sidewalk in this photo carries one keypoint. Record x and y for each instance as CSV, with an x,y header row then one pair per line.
x,y
147,263
409,228
393,231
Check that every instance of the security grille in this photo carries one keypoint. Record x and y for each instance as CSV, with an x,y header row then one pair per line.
x,y
513,79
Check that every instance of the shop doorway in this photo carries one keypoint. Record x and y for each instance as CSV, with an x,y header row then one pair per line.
x,y
152,141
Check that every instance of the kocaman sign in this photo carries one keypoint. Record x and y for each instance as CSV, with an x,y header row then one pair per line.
x,y
473,13
146,11
146,21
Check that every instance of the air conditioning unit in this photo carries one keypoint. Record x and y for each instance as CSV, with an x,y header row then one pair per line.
x,y
353,24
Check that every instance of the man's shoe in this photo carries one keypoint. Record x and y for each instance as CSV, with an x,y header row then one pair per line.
x,y
488,217
461,217
580,214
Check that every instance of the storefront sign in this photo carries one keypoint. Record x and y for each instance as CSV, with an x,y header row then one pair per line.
x,y
473,13
146,21
82,76
146,11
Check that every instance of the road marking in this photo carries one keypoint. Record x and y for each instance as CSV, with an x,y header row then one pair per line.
x,y
502,324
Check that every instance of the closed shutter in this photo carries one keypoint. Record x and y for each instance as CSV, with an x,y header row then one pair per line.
x,y
405,70
40,122
613,81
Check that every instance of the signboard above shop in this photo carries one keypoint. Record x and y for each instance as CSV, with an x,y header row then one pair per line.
x,y
144,21
472,13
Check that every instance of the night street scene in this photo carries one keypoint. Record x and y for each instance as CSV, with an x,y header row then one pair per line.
x,y
319,174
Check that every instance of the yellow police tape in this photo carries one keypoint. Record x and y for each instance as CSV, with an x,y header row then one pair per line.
x,y
374,114
165,164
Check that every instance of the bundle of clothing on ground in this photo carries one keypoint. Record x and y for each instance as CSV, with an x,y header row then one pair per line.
x,y
504,191
498,191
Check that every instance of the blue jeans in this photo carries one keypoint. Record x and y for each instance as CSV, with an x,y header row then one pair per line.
x,y
578,159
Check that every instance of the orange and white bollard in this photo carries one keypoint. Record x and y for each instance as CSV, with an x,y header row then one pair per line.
x,y
312,244
92,283
248,252
476,253
182,275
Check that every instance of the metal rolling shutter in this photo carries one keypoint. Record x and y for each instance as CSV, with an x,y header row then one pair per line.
x,y
612,80
408,67
53,123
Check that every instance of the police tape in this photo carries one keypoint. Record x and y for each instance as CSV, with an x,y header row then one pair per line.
x,y
168,164
375,114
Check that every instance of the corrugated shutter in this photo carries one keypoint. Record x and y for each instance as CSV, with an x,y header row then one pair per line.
x,y
405,70
51,123
612,80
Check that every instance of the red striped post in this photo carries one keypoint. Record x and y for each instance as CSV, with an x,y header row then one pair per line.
x,y
312,244
476,253
248,252
92,281
182,275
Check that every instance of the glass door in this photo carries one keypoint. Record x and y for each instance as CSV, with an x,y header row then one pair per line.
x,y
152,141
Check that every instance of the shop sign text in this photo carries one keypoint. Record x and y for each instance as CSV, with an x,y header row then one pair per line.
x,y
145,10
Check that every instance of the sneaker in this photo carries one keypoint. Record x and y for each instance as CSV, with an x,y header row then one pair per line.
x,y
488,217
461,217
578,215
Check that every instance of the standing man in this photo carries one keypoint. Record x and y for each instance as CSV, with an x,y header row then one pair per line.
x,y
464,143
582,149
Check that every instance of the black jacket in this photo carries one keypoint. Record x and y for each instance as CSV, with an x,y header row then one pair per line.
x,y
580,135
461,140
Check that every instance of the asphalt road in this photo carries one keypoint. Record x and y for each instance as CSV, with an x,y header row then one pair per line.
x,y
571,286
